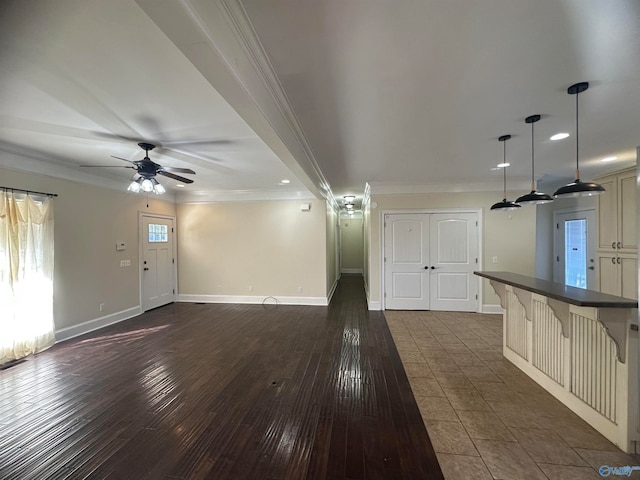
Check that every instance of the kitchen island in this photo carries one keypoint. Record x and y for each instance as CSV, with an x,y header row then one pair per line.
x,y
579,345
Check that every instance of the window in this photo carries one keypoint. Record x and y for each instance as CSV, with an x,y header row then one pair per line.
x,y
158,233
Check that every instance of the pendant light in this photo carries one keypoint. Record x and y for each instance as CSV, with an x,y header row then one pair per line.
x,y
578,188
504,204
534,197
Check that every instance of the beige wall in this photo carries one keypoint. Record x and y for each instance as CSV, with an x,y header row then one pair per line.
x,y
332,248
89,221
272,246
508,235
352,244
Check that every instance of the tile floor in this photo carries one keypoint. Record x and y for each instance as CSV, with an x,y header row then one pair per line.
x,y
486,419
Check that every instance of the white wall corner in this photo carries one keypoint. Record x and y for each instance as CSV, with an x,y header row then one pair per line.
x,y
333,290
68,333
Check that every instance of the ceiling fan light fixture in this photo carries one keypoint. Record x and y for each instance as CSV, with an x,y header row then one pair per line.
x,y
147,185
504,204
134,186
157,187
578,188
534,197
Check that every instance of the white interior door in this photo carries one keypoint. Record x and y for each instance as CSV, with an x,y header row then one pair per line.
x,y
406,262
157,265
454,257
575,245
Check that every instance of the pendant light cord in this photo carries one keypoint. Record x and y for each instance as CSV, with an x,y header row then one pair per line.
x,y
577,139
533,186
504,169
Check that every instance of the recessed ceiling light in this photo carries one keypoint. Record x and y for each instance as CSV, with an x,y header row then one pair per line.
x,y
503,165
285,181
179,185
559,136
349,198
609,159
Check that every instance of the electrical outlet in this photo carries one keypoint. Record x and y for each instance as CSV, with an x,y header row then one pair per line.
x,y
251,288
125,263
299,289
494,260
102,307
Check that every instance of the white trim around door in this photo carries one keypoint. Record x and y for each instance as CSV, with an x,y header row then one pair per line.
x,y
419,284
170,220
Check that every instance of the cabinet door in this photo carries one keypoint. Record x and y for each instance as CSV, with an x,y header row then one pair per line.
x,y
627,211
607,214
629,276
609,276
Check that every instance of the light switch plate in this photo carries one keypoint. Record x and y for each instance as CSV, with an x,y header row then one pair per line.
x,y
121,246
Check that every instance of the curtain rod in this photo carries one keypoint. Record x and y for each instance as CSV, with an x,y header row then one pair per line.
x,y
28,191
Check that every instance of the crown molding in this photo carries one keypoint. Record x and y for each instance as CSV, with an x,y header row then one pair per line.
x,y
240,196
381,188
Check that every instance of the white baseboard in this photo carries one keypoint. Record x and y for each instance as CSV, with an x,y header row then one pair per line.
x,y
246,299
494,309
351,270
375,305
96,324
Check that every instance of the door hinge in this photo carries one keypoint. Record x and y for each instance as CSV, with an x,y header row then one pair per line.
x,y
476,296
557,226
173,260
557,259
476,259
174,292
476,223
171,229
385,259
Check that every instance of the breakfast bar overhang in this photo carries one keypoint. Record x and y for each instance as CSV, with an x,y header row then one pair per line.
x,y
579,345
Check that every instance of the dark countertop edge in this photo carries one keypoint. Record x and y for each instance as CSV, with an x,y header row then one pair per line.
x,y
557,291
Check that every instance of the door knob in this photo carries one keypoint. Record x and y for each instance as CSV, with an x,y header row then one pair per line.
x,y
426,267
145,269
591,267
433,268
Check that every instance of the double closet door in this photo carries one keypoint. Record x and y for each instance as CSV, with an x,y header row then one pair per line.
x,y
429,259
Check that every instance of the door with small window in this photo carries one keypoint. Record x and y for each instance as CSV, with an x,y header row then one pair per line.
x,y
157,264
575,249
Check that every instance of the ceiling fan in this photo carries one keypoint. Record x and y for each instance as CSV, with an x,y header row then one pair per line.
x,y
146,171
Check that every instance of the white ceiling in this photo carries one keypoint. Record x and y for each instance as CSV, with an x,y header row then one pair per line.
x,y
404,95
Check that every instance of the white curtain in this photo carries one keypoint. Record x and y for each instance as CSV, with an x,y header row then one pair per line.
x,y
26,274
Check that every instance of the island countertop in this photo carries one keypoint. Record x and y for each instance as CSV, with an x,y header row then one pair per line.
x,y
572,295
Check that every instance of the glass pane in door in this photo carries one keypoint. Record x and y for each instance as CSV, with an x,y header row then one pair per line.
x,y
575,252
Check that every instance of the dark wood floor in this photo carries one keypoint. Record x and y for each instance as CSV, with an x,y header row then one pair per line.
x,y
193,391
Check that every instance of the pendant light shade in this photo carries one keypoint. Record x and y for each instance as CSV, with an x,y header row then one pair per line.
x,y
578,188
504,204
534,197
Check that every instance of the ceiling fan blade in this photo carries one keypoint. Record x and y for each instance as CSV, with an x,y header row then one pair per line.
x,y
107,166
175,177
178,170
120,158
209,163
